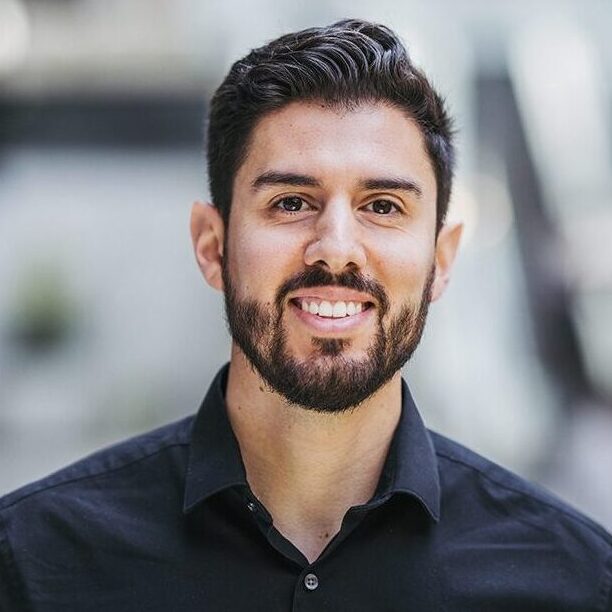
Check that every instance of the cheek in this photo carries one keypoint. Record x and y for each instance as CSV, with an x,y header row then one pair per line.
x,y
263,263
402,264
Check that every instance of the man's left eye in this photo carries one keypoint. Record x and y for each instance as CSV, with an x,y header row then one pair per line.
x,y
382,207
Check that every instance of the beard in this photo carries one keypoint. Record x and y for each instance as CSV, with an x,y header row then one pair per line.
x,y
328,382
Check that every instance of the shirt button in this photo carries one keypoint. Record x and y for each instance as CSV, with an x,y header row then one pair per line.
x,y
311,582
251,506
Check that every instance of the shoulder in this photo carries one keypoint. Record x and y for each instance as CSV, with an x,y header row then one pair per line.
x,y
106,464
48,526
496,511
463,470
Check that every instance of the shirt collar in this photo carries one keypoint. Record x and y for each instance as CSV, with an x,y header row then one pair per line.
x,y
411,467
215,463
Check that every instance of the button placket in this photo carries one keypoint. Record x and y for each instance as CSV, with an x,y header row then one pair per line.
x,y
311,581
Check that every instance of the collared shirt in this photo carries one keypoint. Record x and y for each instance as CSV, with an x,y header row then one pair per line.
x,y
167,521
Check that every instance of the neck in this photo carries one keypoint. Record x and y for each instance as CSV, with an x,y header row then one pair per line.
x,y
309,468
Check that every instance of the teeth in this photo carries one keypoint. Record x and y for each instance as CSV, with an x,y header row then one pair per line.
x,y
339,310
326,309
336,310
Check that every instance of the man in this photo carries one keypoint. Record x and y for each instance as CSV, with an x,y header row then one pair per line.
x,y
307,480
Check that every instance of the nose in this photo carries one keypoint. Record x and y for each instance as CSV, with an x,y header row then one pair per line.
x,y
337,243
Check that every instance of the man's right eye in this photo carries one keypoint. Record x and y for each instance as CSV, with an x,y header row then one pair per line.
x,y
290,204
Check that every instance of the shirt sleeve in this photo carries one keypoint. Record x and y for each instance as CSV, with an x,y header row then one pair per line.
x,y
11,594
607,596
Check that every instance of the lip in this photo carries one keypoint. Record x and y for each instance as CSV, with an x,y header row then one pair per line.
x,y
328,326
333,294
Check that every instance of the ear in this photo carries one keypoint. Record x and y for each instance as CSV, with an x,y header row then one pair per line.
x,y
447,245
207,231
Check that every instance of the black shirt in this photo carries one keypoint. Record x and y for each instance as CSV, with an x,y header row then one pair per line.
x,y
166,521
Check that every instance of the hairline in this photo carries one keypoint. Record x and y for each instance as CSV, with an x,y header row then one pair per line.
x,y
339,106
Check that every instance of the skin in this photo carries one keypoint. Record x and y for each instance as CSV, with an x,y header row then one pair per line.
x,y
309,468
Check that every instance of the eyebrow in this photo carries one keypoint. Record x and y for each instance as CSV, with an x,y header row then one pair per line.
x,y
284,178
393,184
294,179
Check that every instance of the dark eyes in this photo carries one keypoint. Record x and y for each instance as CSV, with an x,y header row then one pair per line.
x,y
382,207
293,204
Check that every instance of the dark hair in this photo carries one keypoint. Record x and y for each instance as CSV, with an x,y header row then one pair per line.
x,y
344,64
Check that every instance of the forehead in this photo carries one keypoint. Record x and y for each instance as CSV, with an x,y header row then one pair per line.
x,y
334,144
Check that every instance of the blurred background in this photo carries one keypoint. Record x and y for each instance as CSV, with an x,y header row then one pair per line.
x,y
106,327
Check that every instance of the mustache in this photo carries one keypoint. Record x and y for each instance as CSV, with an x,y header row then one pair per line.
x,y
316,276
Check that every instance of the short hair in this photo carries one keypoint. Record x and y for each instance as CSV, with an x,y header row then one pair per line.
x,y
345,64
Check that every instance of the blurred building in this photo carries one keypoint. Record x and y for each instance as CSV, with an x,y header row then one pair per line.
x,y
106,328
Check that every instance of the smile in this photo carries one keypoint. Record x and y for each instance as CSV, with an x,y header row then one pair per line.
x,y
331,310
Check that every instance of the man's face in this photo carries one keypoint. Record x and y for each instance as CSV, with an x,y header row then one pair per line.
x,y
329,254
